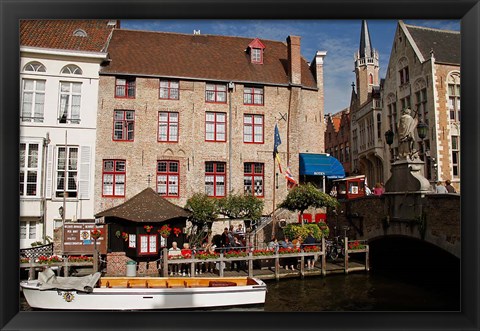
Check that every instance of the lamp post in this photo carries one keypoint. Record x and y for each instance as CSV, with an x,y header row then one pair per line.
x,y
422,130
389,139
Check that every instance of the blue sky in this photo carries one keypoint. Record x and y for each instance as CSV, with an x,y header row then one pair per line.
x,y
340,38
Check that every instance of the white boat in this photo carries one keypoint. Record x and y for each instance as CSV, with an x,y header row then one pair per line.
x,y
140,293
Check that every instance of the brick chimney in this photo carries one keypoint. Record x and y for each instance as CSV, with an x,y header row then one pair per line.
x,y
294,60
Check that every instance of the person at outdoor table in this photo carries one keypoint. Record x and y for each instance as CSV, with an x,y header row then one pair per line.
x,y
449,187
378,189
289,261
308,242
226,238
273,244
174,252
439,188
238,246
210,249
187,254
239,231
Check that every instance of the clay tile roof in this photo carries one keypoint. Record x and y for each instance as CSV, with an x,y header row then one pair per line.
x,y
59,34
445,44
205,57
146,206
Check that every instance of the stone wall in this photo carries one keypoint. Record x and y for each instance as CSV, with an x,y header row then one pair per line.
x,y
367,219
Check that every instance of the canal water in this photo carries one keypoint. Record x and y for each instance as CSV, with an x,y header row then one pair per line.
x,y
404,276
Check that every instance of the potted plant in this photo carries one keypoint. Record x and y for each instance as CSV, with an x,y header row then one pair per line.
x,y
165,231
95,233
148,228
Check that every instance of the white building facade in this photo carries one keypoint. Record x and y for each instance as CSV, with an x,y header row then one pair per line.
x,y
58,106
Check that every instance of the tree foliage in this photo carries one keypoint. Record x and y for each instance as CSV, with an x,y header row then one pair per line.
x,y
293,231
203,208
240,205
302,197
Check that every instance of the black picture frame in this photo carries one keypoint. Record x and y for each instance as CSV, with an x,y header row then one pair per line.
x,y
12,11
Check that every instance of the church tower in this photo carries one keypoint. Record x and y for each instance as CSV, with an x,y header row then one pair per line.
x,y
366,65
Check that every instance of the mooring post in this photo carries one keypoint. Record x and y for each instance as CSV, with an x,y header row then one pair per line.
x,y
220,265
345,248
65,267
367,261
277,267
324,258
31,271
250,264
302,263
192,268
164,262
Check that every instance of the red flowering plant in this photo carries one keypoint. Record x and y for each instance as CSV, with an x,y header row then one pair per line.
x,y
148,228
165,230
95,233
204,255
263,252
311,248
24,260
177,231
235,253
48,260
355,245
289,250
125,236
80,258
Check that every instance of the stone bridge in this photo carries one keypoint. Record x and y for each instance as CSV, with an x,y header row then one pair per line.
x,y
368,218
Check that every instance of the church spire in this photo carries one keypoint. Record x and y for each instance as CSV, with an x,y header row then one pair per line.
x,y
366,49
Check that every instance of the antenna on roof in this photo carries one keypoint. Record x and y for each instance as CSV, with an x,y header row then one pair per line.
x,y
196,32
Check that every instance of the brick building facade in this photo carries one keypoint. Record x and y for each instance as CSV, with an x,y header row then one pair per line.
x,y
424,74
196,113
337,138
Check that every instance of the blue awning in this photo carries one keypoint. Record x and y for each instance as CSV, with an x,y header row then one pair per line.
x,y
321,165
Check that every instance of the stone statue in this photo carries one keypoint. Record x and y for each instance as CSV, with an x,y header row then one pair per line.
x,y
406,131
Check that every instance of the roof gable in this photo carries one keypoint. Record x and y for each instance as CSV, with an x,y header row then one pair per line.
x,y
446,45
256,43
80,35
146,206
202,57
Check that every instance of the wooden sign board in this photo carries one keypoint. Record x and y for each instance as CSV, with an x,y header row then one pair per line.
x,y
77,240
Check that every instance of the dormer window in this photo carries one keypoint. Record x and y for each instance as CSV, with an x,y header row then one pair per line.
x,y
255,49
256,55
80,33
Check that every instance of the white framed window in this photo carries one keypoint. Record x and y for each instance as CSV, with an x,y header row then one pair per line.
x,y
28,230
33,100
34,66
454,97
456,156
132,241
23,230
72,69
29,169
148,244
70,99
67,158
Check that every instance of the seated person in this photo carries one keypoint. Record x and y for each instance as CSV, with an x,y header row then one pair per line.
x,y
187,254
174,252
